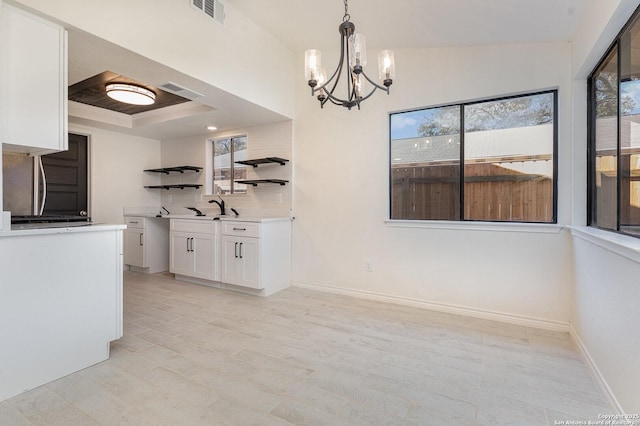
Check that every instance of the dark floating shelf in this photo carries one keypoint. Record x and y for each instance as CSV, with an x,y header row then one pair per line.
x,y
266,160
178,169
177,186
257,181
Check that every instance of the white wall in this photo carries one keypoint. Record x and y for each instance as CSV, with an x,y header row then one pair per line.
x,y
270,140
341,195
117,176
604,314
238,57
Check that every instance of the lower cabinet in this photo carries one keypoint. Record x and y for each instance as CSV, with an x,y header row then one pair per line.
x,y
241,261
134,247
192,248
146,244
256,255
242,255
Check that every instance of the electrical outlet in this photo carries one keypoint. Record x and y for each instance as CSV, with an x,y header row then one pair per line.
x,y
169,198
198,198
367,266
278,197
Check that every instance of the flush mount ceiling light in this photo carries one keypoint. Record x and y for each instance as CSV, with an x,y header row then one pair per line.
x,y
130,94
352,50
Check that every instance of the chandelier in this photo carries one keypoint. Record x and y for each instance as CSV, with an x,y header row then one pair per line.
x,y
353,58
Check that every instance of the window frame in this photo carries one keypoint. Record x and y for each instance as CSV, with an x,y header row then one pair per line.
x,y
591,131
462,105
212,143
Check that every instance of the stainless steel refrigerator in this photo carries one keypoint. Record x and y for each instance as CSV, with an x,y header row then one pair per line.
x,y
20,184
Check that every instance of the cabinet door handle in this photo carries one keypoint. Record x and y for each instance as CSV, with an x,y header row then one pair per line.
x,y
239,229
141,239
193,247
188,246
240,250
235,250
131,221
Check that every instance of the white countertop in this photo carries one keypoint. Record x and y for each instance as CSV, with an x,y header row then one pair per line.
x,y
215,217
57,228
254,219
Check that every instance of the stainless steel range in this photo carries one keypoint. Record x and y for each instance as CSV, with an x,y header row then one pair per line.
x,y
24,219
48,221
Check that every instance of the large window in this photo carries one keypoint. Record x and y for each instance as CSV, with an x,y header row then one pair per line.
x,y
492,160
226,172
614,136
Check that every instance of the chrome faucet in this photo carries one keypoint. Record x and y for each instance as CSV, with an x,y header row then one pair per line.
x,y
220,204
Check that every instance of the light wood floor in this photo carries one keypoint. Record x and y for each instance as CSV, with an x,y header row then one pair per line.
x,y
195,355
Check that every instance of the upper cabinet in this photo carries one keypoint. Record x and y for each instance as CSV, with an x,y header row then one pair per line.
x,y
33,82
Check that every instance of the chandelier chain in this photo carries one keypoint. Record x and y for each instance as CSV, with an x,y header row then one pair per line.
x,y
346,16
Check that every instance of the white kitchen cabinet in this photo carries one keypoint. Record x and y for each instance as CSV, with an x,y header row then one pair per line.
x,y
134,247
33,82
256,255
146,244
241,261
193,248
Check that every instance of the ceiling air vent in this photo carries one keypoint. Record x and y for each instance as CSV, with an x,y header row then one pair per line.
x,y
176,89
212,8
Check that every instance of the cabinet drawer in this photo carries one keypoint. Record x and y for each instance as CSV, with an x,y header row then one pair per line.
x,y
242,229
198,226
134,222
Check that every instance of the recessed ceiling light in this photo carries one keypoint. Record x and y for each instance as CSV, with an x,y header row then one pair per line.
x,y
212,128
130,94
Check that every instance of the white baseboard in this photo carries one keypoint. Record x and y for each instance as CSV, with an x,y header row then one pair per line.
x,y
595,371
442,307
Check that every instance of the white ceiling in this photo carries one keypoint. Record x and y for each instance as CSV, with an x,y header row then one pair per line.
x,y
305,24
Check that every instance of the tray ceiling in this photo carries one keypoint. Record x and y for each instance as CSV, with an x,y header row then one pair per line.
x,y
92,92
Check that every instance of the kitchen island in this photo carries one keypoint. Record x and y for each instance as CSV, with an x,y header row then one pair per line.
x,y
60,304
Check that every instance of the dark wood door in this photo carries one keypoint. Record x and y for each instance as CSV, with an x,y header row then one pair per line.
x,y
66,174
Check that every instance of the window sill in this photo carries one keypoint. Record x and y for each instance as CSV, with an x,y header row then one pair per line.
x,y
531,228
620,244
237,195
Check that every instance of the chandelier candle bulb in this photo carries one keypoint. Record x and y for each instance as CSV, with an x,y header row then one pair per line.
x,y
312,65
386,67
360,86
358,53
322,78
